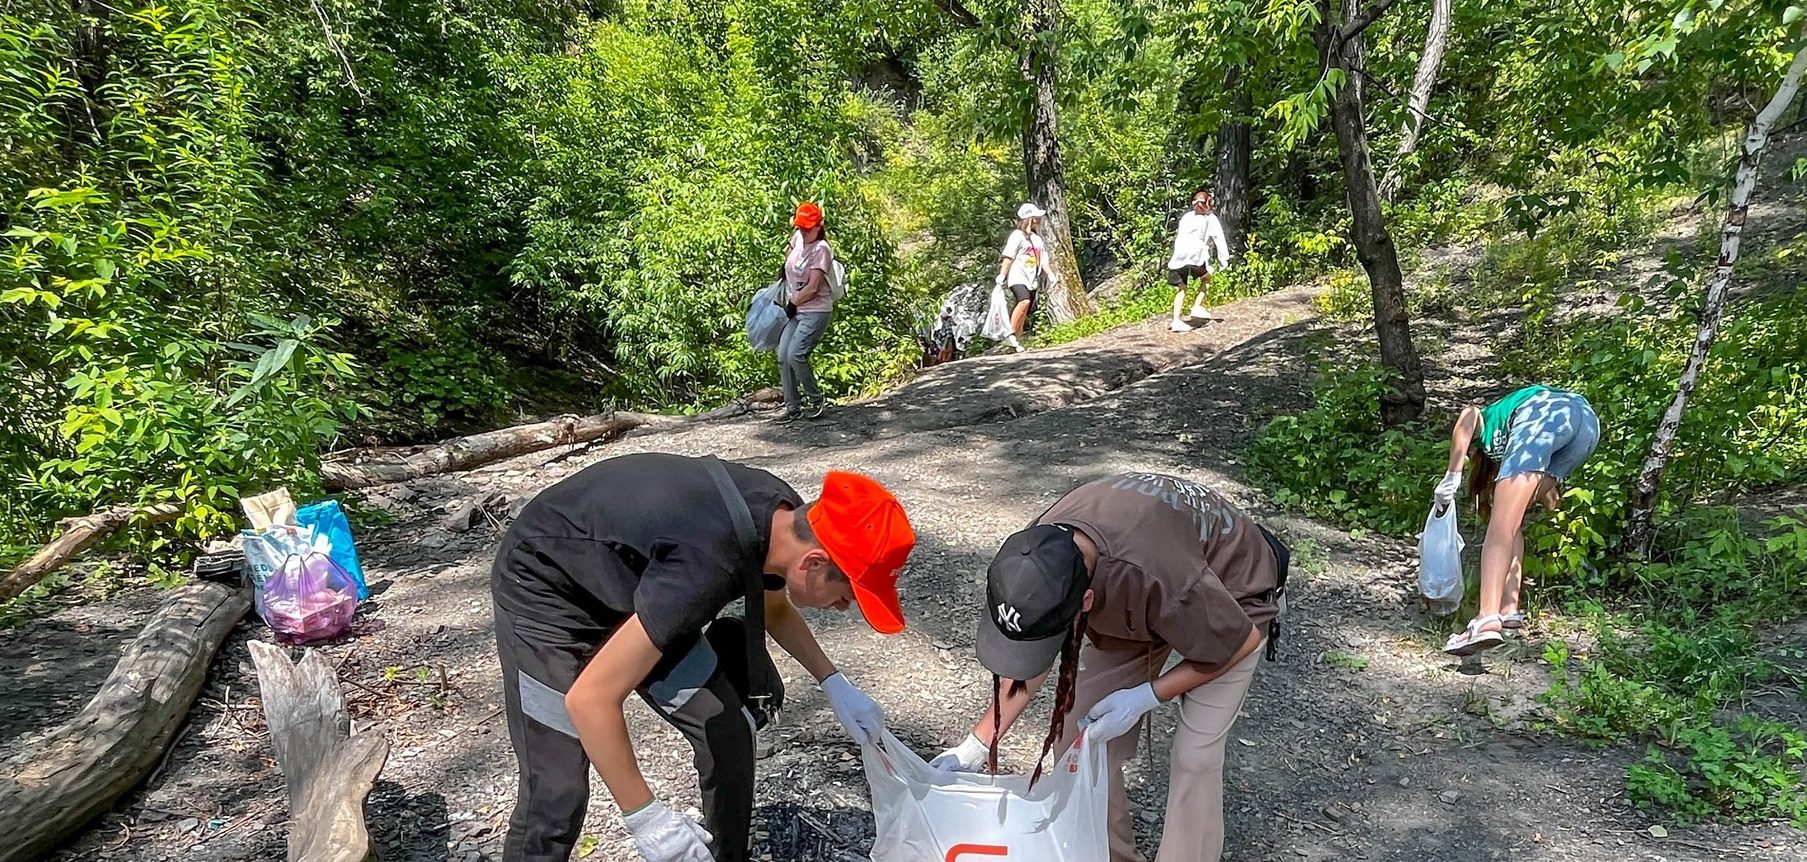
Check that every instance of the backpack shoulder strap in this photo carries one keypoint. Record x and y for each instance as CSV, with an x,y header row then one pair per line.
x,y
755,580
1283,562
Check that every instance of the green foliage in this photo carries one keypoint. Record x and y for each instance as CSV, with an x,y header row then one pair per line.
x,y
148,367
1346,296
1335,461
1672,668
1345,661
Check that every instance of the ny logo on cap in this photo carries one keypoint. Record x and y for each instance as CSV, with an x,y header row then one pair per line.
x,y
1008,618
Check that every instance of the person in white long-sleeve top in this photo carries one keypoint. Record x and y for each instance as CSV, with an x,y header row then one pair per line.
x,y
1193,243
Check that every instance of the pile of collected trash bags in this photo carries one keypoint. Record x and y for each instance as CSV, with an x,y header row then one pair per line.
x,y
302,566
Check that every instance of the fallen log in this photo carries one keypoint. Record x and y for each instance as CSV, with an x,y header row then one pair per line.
x,y
78,770
329,772
350,471
79,534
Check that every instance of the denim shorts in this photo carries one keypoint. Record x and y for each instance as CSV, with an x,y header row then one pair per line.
x,y
1553,432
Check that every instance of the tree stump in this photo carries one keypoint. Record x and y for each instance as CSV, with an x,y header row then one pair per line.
x,y
75,772
328,771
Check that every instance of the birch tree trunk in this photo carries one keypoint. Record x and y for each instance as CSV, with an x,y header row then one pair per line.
x,y
1436,39
1234,143
1047,176
1638,530
1341,49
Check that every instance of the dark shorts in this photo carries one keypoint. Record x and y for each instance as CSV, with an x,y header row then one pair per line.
x,y
1179,277
1021,293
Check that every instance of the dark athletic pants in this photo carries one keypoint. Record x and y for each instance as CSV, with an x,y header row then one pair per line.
x,y
698,688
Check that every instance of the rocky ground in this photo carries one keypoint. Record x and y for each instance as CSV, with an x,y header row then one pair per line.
x,y
1361,742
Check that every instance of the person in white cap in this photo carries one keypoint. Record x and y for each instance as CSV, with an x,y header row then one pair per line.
x,y
1024,263
1198,232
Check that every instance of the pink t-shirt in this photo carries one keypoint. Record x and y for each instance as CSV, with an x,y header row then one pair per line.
x,y
797,265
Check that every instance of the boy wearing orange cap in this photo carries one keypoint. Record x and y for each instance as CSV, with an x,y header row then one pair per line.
x,y
609,583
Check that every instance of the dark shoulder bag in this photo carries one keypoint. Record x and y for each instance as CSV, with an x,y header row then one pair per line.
x,y
758,694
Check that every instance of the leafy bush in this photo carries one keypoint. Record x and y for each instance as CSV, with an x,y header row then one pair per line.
x,y
1335,461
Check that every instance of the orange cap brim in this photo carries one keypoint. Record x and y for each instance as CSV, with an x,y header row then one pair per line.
x,y
882,610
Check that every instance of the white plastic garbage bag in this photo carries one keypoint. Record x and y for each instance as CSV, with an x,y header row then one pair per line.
x,y
929,816
1440,562
997,317
765,318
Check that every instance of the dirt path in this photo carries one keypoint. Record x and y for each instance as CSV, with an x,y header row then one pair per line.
x,y
1406,758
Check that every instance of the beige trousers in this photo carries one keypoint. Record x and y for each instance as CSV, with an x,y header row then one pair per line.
x,y
1193,828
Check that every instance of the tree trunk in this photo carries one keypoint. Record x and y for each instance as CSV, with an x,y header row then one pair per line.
x,y
79,534
1639,529
1429,64
1234,142
1066,296
56,785
1404,398
328,772
476,450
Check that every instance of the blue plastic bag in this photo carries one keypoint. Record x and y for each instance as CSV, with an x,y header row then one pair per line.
x,y
328,522
765,319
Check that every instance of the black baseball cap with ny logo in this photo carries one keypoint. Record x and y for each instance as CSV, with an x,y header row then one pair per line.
x,y
1034,591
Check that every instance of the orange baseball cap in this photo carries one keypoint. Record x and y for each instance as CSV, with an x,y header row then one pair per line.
x,y
808,216
865,532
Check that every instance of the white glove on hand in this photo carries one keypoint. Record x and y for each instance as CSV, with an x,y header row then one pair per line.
x,y
1446,489
1119,711
664,835
969,756
858,714
999,281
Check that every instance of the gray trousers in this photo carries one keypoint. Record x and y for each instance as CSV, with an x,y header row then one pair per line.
x,y
801,335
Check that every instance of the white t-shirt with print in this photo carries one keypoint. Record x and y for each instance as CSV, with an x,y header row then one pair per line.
x,y
1028,254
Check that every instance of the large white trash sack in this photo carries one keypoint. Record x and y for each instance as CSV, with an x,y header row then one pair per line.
x,y
1440,562
929,816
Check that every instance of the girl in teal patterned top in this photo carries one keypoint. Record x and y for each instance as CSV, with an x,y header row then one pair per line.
x,y
1525,446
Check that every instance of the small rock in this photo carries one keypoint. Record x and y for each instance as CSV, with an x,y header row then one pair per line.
x,y
1658,832
1448,797
1405,781
462,516
188,825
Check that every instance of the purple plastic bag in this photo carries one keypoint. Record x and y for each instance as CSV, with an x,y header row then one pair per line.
x,y
308,598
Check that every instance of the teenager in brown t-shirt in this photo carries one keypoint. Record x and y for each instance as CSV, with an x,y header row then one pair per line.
x,y
1117,576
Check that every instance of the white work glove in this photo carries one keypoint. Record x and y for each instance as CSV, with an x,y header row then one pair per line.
x,y
999,281
1446,489
1119,711
968,756
858,713
664,835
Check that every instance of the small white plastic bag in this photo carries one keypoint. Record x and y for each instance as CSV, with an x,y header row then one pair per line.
x,y
1440,562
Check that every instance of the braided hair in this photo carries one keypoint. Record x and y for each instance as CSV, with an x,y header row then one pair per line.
x,y
1064,692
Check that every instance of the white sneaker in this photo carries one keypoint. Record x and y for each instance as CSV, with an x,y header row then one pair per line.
x,y
1179,326
1199,312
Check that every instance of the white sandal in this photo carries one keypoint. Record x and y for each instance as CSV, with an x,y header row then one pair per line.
x,y
1473,639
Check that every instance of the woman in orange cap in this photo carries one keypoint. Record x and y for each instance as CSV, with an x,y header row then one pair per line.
x,y
609,584
807,269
